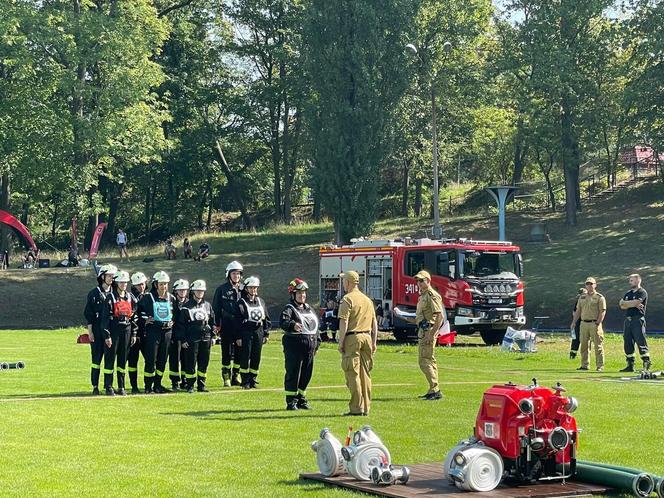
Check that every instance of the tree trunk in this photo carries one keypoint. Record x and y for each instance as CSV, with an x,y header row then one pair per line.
x,y
56,209
147,213
276,158
25,213
153,196
115,192
519,153
290,166
208,223
405,187
233,187
570,160
417,208
317,214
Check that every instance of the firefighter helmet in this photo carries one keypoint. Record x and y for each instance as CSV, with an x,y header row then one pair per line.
x,y
121,276
107,269
138,278
234,266
181,284
198,285
160,277
297,284
252,282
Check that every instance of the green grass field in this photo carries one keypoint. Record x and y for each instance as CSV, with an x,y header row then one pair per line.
x,y
56,440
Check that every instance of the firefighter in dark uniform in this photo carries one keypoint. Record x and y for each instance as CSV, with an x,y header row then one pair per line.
x,y
197,322
119,325
227,326
591,310
301,340
576,331
429,318
634,304
138,286
93,309
157,307
175,361
254,331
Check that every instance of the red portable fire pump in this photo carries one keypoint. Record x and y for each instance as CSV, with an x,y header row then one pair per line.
x,y
523,434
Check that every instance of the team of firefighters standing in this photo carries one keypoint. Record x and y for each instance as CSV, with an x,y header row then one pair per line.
x,y
180,328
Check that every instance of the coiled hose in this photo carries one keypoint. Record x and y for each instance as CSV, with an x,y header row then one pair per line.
x,y
328,454
477,468
639,483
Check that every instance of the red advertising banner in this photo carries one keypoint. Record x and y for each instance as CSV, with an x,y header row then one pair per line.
x,y
96,240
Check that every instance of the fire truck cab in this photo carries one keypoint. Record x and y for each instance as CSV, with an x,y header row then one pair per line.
x,y
480,281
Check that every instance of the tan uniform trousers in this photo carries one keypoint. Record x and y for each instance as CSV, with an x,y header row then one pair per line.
x,y
357,362
590,331
428,363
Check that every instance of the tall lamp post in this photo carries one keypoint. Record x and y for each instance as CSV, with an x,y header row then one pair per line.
x,y
437,229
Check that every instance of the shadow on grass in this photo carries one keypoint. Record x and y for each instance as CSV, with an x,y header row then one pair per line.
x,y
79,394
263,414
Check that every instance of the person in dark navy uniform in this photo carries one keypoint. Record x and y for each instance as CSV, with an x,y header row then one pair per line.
x,y
634,304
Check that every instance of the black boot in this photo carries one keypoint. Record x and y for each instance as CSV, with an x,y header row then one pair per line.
x,y
236,379
646,363
149,381
302,403
174,385
121,385
291,403
190,386
572,355
252,381
110,391
246,381
630,365
133,380
94,378
201,385
108,382
158,388
95,391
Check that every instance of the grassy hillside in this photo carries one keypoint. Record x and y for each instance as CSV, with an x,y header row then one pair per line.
x,y
615,237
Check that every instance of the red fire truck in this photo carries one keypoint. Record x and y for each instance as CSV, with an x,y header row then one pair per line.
x,y
480,281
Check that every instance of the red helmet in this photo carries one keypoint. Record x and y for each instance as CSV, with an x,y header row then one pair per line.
x,y
297,284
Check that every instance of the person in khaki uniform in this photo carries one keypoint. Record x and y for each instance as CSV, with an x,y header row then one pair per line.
x,y
591,310
429,318
358,333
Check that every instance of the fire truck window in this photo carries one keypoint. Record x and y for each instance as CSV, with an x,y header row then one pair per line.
x,y
446,264
414,263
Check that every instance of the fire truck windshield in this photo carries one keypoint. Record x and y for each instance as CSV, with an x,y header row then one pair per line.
x,y
484,264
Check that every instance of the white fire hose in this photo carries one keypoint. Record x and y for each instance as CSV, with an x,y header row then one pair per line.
x,y
476,468
328,454
366,452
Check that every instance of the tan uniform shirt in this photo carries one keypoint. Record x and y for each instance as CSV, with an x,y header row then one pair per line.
x,y
358,311
428,304
591,306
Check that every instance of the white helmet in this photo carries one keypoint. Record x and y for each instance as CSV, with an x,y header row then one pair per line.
x,y
161,276
107,269
138,278
234,266
122,276
252,282
198,285
181,284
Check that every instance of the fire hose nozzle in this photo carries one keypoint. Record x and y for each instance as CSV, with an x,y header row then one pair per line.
x,y
4,366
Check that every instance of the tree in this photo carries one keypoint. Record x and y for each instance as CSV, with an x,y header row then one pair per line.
x,y
354,52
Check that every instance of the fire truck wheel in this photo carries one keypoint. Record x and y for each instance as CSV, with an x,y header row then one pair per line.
x,y
492,337
401,334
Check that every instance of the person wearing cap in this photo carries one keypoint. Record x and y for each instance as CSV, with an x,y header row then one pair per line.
x,y
119,327
358,334
94,306
254,331
227,322
137,348
429,317
196,320
157,307
301,341
175,357
634,304
576,331
591,310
